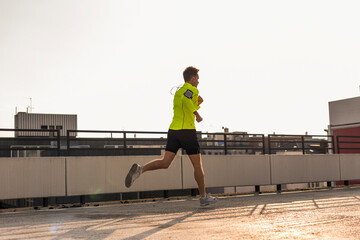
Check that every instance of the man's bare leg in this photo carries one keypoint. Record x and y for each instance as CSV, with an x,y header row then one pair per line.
x,y
198,173
136,170
162,163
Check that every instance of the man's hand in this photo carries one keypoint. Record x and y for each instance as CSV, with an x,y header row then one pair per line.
x,y
198,117
200,100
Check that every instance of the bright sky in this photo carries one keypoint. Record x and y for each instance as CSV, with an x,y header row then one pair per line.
x,y
265,66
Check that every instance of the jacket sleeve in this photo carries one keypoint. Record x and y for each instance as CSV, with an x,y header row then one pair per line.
x,y
195,101
191,99
189,105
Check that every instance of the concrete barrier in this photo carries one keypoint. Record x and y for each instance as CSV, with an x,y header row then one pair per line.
x,y
32,177
230,170
350,166
73,176
99,175
304,168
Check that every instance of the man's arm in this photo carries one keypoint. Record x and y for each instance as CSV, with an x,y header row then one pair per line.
x,y
198,117
200,100
192,106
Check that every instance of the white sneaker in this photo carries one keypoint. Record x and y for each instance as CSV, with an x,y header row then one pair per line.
x,y
207,200
134,173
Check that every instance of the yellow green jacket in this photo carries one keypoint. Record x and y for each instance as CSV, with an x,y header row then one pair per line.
x,y
185,104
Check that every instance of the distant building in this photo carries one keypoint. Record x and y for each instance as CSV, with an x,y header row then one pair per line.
x,y
62,122
236,143
345,121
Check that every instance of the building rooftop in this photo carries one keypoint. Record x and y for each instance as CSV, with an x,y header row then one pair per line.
x,y
312,214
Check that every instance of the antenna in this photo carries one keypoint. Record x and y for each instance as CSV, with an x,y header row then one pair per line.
x,y
29,108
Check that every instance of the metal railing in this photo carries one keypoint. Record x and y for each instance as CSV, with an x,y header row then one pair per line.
x,y
304,144
11,147
123,145
153,143
348,144
233,143
222,143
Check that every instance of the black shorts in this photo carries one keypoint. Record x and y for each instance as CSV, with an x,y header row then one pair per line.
x,y
185,139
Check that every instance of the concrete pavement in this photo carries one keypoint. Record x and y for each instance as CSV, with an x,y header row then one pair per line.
x,y
311,214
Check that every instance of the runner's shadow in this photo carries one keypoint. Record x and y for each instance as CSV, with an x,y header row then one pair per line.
x,y
166,225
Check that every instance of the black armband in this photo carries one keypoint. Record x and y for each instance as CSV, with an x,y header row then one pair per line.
x,y
188,94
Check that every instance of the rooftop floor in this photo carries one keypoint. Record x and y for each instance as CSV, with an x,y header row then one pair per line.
x,y
311,214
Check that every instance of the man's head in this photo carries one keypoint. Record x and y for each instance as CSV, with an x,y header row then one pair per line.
x,y
191,76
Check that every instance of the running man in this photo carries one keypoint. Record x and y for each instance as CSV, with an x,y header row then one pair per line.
x,y
181,134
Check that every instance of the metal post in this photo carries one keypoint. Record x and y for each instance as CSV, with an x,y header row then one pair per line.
x,y
333,144
269,144
68,142
193,192
58,142
82,199
125,143
303,144
338,144
45,202
263,143
225,144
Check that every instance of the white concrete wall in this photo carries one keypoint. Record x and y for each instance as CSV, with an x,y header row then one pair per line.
x,y
230,170
71,176
304,168
350,166
97,175
32,177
